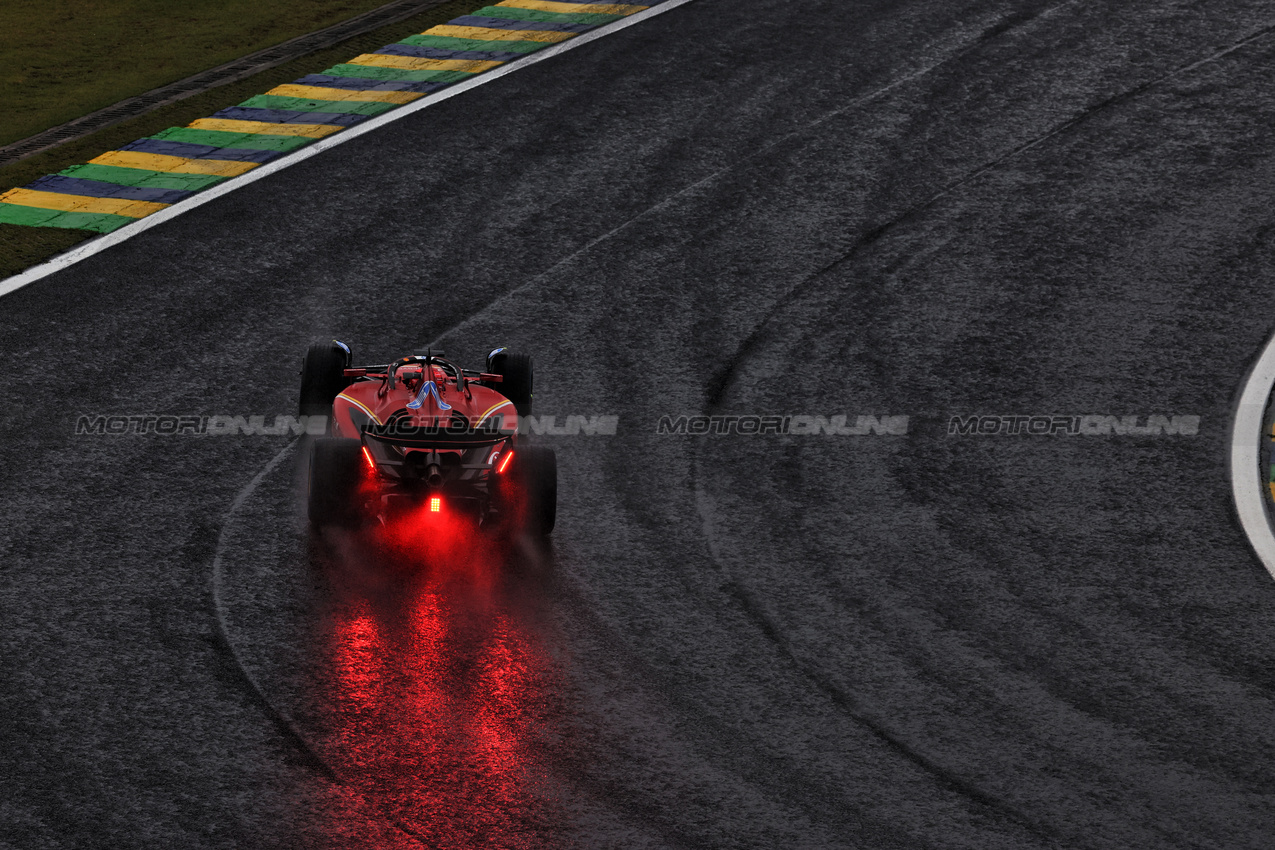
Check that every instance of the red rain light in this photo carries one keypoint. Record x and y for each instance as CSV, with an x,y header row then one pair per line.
x,y
504,462
435,504
370,463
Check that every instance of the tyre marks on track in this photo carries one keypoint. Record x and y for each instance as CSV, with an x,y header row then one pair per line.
x,y
281,719
865,240
751,347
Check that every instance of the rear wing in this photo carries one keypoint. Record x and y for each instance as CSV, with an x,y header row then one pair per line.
x,y
383,371
437,437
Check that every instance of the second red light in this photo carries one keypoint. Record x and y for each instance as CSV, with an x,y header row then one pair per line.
x,y
504,462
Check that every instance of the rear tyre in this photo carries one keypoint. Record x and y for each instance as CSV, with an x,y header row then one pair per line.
x,y
516,373
322,377
539,478
336,470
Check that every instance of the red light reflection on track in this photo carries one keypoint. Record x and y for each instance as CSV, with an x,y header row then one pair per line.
x,y
438,687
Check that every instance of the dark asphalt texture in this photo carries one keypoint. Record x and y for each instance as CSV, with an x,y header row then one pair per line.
x,y
920,641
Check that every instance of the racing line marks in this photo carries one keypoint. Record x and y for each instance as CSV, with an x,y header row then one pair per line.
x,y
1246,480
282,721
983,37
880,230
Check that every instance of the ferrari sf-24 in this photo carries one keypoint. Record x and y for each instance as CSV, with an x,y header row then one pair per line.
x,y
421,436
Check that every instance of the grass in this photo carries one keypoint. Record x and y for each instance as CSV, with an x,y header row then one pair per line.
x,y
67,58
22,247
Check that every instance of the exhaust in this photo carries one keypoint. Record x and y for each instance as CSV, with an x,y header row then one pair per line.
x,y
434,476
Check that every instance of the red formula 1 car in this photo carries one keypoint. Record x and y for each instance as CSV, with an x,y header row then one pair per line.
x,y
421,437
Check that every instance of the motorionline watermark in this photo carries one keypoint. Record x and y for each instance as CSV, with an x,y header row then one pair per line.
x,y
282,425
1088,425
594,425
839,425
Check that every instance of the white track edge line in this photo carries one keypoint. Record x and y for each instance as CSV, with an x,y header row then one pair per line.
x,y
1246,472
95,246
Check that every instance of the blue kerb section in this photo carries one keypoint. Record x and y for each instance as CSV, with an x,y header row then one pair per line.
x,y
507,24
364,84
99,189
190,151
288,116
444,53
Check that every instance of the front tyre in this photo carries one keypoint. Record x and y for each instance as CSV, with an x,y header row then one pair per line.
x,y
516,378
322,377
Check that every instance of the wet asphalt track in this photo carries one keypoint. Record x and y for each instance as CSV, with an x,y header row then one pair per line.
x,y
738,207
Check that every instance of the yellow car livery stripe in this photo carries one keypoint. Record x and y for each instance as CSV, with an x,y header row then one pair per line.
x,y
490,411
360,406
